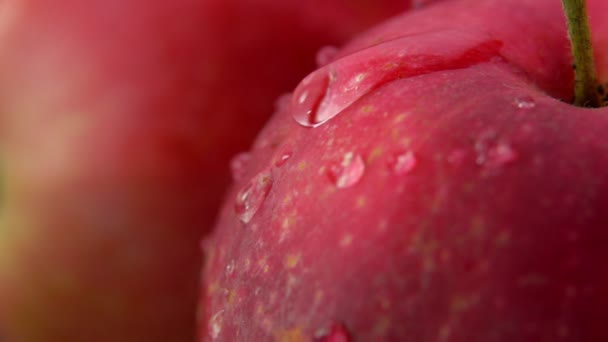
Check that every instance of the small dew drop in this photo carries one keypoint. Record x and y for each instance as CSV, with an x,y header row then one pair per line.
x,y
230,269
252,196
238,165
493,153
326,55
483,144
308,97
216,324
501,154
524,102
402,163
349,172
283,158
336,333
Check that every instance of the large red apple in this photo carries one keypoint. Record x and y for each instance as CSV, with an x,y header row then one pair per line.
x,y
117,120
442,189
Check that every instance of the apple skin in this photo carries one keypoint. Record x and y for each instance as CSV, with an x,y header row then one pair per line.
x,y
117,122
459,198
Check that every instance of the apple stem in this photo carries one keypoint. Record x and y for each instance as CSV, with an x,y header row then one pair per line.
x,y
586,89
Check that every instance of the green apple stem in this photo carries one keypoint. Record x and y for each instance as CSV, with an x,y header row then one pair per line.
x,y
585,83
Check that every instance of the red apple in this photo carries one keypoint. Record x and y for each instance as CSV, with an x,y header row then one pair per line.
x,y
117,120
448,192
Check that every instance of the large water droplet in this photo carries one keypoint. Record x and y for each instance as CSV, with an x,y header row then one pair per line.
x,y
524,102
331,89
402,163
252,196
336,333
215,325
348,172
326,55
238,165
308,97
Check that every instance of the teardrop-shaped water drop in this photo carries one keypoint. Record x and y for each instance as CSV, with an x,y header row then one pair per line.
x,y
283,158
307,98
524,102
335,333
348,172
252,196
326,55
333,88
238,165
402,163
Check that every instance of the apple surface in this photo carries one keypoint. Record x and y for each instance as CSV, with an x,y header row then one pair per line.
x,y
117,121
432,183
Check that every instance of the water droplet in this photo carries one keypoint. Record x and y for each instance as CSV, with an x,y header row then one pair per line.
x,y
238,165
524,102
326,55
230,268
215,325
252,196
283,158
333,88
482,144
494,153
308,97
336,333
501,154
402,163
349,172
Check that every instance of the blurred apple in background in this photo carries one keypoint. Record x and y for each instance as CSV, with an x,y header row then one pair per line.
x,y
117,122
